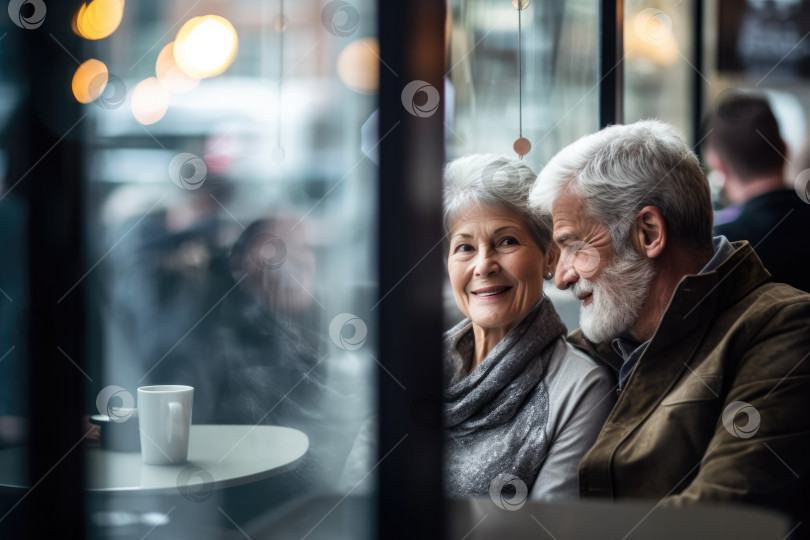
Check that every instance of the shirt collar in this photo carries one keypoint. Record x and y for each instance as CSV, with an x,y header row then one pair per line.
x,y
722,251
624,345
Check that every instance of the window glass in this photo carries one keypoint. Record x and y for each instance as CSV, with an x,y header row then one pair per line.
x,y
229,207
659,63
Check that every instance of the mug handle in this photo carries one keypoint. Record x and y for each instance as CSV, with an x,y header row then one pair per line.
x,y
175,420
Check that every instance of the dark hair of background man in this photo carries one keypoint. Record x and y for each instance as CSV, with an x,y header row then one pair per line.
x,y
744,132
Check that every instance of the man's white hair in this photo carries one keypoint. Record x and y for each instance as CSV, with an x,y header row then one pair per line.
x,y
621,169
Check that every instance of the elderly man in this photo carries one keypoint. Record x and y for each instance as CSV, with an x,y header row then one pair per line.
x,y
710,353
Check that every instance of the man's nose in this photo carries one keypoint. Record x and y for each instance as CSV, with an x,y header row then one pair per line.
x,y
566,274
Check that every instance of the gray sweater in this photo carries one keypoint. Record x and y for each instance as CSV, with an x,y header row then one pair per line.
x,y
530,410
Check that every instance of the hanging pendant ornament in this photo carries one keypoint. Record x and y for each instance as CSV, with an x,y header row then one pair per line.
x,y
522,146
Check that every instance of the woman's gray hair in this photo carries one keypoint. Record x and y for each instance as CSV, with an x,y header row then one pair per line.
x,y
497,182
621,169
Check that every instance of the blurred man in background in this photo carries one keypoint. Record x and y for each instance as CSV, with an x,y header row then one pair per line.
x,y
743,145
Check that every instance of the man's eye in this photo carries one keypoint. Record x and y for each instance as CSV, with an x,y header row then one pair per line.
x,y
574,247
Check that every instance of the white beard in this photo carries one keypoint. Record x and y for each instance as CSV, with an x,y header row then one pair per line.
x,y
618,294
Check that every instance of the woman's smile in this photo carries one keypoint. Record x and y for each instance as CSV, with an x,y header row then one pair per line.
x,y
495,291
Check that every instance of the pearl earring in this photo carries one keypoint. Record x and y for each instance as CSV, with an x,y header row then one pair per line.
x,y
549,275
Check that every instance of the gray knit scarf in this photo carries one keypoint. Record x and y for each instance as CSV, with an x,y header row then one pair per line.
x,y
495,416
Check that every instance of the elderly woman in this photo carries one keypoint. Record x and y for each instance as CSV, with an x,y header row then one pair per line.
x,y
521,405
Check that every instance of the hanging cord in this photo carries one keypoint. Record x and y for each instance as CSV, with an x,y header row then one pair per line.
x,y
281,29
521,146
520,74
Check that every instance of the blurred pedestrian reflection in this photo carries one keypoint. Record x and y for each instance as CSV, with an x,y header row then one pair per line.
x,y
238,323
168,270
274,362
271,359
277,265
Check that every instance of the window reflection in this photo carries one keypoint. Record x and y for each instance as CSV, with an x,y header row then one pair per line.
x,y
659,64
229,211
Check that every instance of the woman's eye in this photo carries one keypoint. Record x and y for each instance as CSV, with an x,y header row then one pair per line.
x,y
508,241
463,248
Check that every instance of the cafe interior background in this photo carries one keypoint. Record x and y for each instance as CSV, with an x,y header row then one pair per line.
x,y
244,197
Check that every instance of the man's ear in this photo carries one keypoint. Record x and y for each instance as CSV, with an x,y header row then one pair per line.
x,y
650,232
552,257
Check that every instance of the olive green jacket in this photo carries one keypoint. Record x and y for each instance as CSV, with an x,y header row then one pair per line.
x,y
730,341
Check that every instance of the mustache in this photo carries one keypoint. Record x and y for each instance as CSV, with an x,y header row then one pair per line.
x,y
583,286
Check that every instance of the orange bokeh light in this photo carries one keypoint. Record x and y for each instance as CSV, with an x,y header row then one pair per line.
x,y
89,80
172,77
205,46
149,101
358,65
98,19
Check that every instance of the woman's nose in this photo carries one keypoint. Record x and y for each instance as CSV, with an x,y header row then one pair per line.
x,y
486,264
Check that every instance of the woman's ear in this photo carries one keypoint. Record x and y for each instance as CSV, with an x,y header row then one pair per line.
x,y
552,257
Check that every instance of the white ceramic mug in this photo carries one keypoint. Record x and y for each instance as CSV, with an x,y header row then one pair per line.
x,y
164,416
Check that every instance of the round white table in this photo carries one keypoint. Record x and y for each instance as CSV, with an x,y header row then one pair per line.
x,y
218,457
